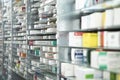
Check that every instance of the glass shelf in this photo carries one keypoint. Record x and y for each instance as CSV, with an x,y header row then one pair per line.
x,y
49,58
70,78
42,39
21,31
35,59
43,45
19,35
40,28
19,43
108,28
33,55
45,73
48,52
42,34
93,48
73,78
20,40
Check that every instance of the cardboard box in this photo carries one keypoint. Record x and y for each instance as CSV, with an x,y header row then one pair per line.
x,y
90,40
67,69
75,39
113,39
87,73
105,60
109,18
109,76
85,22
95,20
117,16
118,76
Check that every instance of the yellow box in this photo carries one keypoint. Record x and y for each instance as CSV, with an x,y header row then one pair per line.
x,y
118,76
90,40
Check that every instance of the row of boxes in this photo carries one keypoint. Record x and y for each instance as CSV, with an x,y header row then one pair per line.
x,y
80,39
94,40
109,39
42,37
81,73
99,20
103,60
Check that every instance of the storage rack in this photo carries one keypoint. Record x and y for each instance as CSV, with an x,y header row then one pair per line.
x,y
1,41
19,39
38,40
28,39
6,29
19,53
69,21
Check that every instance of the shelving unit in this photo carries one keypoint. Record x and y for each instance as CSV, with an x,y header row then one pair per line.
x,y
1,41
6,30
60,39
76,49
41,41
29,39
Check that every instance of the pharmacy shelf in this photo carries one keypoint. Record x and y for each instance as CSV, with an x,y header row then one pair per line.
x,y
20,40
34,1
109,28
44,74
43,45
73,17
19,35
49,58
34,55
41,28
48,74
21,48
16,42
42,34
95,8
43,64
21,31
7,36
97,48
69,78
39,76
34,59
73,78
48,52
15,28
46,68
103,6
48,2
7,42
41,39
7,30
19,74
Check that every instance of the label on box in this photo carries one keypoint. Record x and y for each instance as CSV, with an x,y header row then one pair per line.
x,y
77,55
89,76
